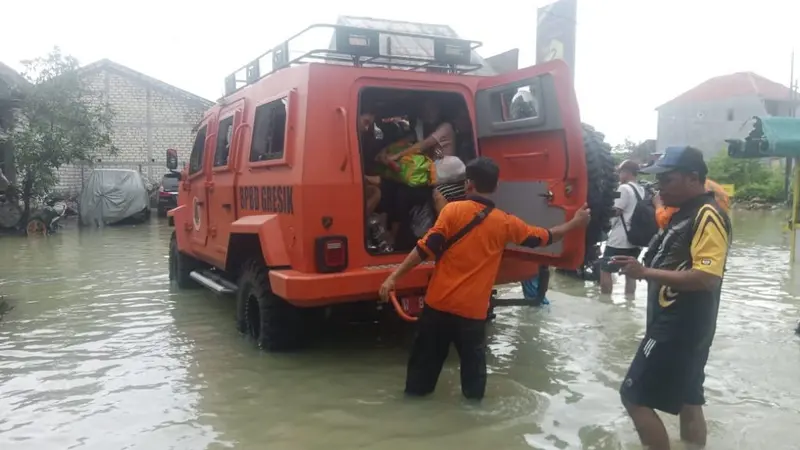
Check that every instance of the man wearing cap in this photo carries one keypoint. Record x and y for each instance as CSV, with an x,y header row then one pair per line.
x,y
684,267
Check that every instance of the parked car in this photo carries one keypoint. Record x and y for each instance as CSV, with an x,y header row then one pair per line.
x,y
113,196
168,192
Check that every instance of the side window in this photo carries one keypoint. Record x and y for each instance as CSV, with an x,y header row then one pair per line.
x,y
269,131
520,103
224,137
198,150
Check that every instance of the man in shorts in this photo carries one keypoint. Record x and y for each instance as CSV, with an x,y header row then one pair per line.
x,y
617,244
684,267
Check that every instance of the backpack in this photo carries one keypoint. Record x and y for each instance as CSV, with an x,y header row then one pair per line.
x,y
643,221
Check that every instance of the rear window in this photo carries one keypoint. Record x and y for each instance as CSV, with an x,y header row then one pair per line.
x,y
170,182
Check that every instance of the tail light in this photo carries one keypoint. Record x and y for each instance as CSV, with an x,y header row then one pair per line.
x,y
331,253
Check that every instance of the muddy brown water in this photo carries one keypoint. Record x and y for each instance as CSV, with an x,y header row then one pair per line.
x,y
100,352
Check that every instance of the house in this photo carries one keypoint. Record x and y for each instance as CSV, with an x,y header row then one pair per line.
x,y
719,109
150,116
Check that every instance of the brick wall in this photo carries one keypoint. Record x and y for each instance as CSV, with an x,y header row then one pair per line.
x,y
148,120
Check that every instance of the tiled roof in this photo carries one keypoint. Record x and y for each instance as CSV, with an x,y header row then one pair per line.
x,y
734,85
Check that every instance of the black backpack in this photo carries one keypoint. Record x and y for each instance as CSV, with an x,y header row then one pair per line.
x,y
643,221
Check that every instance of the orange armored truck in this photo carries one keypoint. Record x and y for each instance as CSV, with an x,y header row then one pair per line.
x,y
272,206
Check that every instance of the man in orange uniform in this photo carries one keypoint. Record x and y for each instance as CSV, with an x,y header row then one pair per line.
x,y
467,241
663,213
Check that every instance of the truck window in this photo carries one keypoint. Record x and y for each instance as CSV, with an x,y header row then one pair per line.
x,y
196,158
269,131
223,142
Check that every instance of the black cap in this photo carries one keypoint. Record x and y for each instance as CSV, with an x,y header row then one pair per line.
x,y
683,159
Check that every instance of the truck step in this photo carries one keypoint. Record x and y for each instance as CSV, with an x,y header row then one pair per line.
x,y
513,302
213,282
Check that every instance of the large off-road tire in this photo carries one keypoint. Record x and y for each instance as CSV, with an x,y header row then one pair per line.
x,y
602,186
181,265
272,322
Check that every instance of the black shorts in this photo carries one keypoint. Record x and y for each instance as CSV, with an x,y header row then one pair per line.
x,y
665,376
605,264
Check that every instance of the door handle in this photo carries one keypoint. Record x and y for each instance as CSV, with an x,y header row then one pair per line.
x,y
226,205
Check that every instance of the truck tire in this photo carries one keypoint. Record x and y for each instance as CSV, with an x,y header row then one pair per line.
x,y
180,266
272,322
602,186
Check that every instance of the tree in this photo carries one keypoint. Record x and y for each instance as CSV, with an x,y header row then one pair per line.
x,y
59,121
640,152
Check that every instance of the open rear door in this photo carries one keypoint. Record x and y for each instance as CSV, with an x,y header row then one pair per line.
x,y
528,122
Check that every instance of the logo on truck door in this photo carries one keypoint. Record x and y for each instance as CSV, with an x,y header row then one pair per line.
x,y
267,199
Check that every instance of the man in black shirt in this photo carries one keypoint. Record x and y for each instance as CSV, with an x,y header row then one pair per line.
x,y
684,267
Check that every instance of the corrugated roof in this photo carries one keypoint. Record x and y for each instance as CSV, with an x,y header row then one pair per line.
x,y
409,46
734,85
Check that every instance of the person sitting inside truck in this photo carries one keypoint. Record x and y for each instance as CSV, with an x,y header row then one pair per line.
x,y
370,147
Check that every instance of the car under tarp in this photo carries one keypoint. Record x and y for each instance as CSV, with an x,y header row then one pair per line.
x,y
769,137
113,195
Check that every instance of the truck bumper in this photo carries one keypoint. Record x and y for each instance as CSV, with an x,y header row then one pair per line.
x,y
315,289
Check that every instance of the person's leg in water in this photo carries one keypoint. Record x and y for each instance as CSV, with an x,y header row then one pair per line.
x,y
607,268
429,352
693,422
469,338
535,288
693,426
656,380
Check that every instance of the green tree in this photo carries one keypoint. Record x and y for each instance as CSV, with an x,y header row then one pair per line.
x,y
59,121
752,177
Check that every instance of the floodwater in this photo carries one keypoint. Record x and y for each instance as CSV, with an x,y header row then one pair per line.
x,y
99,352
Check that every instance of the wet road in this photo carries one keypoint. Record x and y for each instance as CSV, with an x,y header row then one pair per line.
x,y
100,352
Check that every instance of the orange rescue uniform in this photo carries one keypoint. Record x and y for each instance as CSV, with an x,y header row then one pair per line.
x,y
465,274
663,214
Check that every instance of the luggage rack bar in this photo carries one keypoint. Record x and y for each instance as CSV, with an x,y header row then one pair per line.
x,y
363,47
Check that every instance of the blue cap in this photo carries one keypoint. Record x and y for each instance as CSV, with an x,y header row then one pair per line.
x,y
683,159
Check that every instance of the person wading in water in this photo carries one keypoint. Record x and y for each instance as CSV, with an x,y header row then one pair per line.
x,y
467,241
684,267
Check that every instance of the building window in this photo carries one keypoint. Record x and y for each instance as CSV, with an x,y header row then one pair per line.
x,y
199,148
772,107
730,115
224,137
269,131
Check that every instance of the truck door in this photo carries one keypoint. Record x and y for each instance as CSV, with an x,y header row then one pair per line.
x,y
221,205
199,174
528,122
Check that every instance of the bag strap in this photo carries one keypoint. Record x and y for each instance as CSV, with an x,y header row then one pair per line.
x,y
480,217
635,191
622,216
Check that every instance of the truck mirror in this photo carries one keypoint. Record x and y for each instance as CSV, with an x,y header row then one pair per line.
x,y
172,159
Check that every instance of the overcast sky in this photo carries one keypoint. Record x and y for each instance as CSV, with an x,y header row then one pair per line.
x,y
632,55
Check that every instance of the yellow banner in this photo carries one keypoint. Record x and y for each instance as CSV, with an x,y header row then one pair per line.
x,y
729,189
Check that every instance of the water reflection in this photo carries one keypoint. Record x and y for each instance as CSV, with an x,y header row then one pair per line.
x,y
100,352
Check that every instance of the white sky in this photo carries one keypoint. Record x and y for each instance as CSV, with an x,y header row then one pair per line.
x,y
632,55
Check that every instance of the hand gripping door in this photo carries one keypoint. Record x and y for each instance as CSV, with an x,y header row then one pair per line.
x,y
527,121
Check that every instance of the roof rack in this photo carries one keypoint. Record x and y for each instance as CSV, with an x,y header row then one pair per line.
x,y
363,47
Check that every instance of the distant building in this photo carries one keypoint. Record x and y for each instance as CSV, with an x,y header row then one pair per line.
x,y
717,109
150,116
